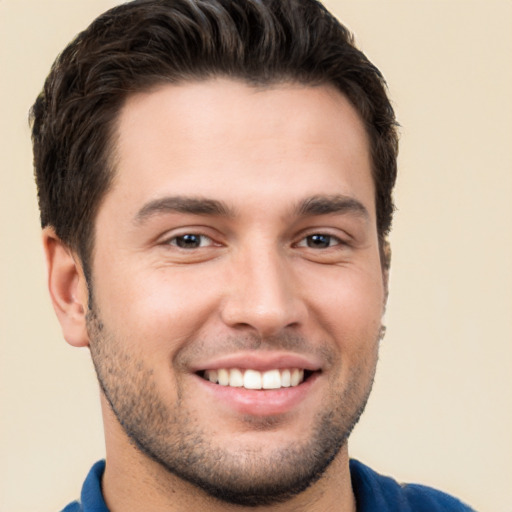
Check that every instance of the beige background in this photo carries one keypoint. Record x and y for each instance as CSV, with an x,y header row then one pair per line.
x,y
441,412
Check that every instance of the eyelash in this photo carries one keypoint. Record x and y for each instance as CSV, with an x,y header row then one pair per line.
x,y
174,241
305,242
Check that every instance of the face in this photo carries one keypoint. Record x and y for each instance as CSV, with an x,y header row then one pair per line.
x,y
237,285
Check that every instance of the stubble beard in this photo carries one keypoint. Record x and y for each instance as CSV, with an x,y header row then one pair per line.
x,y
172,437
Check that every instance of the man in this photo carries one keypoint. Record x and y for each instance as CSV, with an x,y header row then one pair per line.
x,y
215,183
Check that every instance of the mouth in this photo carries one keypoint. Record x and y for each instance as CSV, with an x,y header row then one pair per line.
x,y
257,380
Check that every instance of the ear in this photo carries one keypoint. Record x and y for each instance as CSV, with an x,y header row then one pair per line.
x,y
385,256
68,288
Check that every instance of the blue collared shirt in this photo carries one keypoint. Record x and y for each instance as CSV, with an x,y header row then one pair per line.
x,y
373,492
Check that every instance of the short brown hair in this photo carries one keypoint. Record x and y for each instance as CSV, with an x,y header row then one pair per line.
x,y
137,45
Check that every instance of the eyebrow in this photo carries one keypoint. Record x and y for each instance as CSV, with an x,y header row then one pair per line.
x,y
331,204
311,206
181,204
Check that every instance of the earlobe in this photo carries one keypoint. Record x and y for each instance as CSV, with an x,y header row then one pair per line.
x,y
67,287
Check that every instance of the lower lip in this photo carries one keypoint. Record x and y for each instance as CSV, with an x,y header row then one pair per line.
x,y
268,402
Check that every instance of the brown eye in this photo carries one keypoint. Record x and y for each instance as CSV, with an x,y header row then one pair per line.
x,y
319,241
190,241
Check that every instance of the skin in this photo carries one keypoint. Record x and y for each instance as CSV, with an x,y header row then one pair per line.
x,y
284,163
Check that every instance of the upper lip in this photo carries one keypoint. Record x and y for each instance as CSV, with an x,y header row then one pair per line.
x,y
261,361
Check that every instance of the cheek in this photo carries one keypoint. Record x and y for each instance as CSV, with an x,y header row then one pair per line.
x,y
161,308
352,319
349,302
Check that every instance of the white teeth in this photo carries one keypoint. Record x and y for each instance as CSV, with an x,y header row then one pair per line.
x,y
285,379
271,380
223,376
253,379
295,377
236,378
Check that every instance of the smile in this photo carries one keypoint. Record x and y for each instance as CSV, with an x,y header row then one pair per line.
x,y
254,379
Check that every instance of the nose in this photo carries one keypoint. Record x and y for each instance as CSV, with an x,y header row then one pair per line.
x,y
262,295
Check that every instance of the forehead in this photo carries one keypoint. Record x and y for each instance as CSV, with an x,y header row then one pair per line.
x,y
225,139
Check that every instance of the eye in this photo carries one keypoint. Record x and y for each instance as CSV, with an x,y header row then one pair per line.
x,y
319,241
190,241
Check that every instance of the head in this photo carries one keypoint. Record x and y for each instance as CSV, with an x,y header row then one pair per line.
x,y
139,45
224,237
